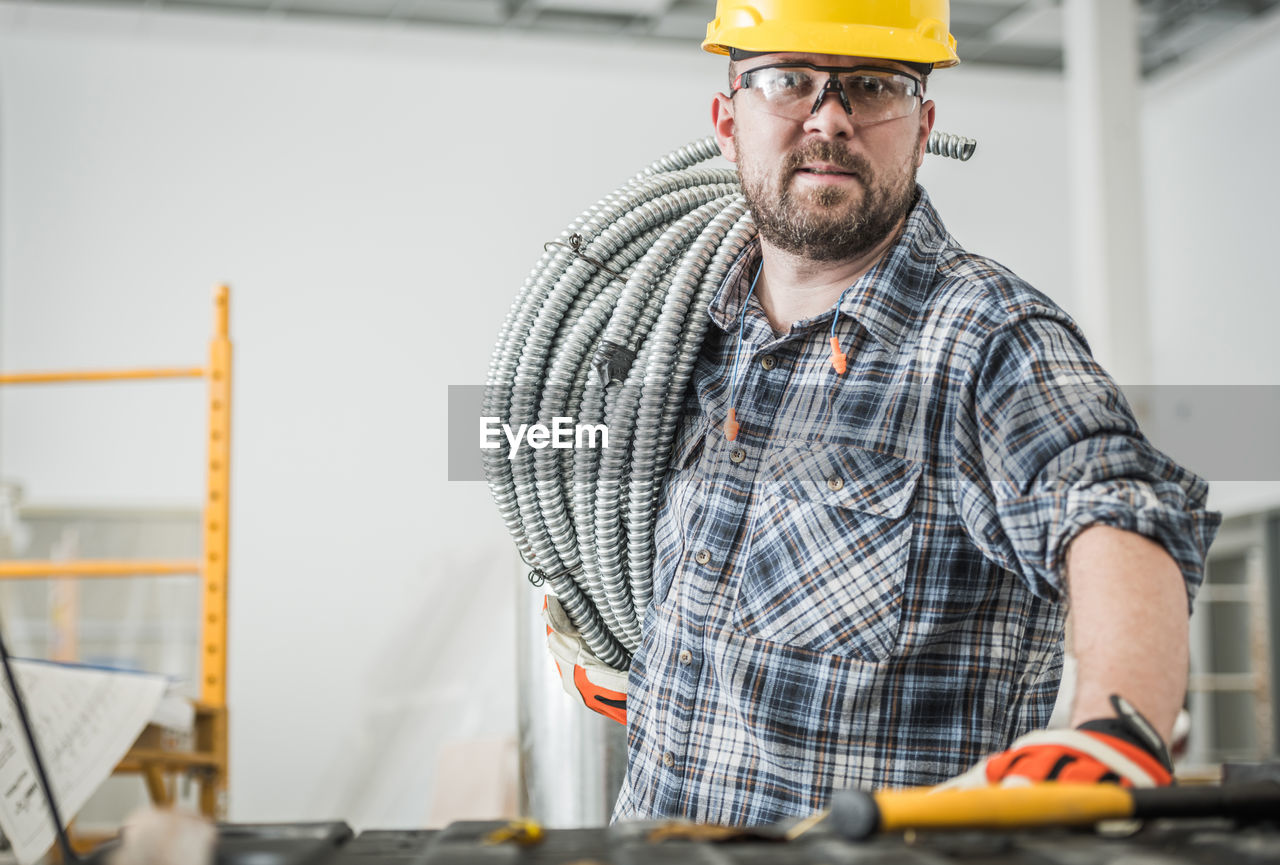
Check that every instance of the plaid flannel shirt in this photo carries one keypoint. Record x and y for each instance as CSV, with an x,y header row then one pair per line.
x,y
863,589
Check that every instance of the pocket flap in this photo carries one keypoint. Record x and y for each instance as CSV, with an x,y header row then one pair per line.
x,y
845,476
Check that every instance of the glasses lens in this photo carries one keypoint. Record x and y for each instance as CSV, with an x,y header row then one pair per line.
x,y
874,95
878,96
787,88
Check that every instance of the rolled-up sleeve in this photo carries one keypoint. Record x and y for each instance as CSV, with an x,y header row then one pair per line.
x,y
1046,446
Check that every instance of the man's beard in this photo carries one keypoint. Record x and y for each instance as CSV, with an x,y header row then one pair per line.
x,y
826,223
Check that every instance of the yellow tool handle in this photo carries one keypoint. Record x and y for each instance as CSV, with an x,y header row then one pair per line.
x,y
1046,804
857,815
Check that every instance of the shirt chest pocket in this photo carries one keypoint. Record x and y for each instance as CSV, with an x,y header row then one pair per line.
x,y
829,550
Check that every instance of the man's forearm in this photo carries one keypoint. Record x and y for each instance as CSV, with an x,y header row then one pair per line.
x,y
1129,620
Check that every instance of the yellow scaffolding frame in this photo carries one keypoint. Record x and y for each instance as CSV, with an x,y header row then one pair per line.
x,y
209,759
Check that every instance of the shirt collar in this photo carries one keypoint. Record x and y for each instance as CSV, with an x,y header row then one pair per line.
x,y
884,300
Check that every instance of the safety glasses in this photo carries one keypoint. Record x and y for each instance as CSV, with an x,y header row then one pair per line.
x,y
869,94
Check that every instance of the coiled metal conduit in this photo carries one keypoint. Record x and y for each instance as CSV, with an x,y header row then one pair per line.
x,y
606,330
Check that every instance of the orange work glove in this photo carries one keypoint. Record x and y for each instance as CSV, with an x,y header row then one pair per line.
x,y
1124,750
600,687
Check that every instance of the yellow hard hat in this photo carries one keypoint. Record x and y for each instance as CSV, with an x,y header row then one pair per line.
x,y
913,31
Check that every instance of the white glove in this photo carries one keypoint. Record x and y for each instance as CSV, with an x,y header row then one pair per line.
x,y
1124,750
601,688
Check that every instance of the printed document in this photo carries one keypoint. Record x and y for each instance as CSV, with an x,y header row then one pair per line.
x,y
85,719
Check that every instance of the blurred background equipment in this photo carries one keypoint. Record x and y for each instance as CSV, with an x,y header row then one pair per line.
x,y
80,572
1235,651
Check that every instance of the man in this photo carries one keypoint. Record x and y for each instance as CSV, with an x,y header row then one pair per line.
x,y
900,466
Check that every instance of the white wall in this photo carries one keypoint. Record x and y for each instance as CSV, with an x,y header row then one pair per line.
x,y
1009,201
374,197
1213,178
1213,175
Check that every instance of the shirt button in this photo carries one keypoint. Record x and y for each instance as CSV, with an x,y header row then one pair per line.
x,y
668,759
835,484
768,361
737,455
702,556
686,657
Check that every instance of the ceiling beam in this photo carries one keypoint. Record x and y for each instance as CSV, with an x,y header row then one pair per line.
x,y
1010,33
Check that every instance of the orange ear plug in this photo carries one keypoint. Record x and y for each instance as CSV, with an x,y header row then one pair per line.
x,y
838,357
731,425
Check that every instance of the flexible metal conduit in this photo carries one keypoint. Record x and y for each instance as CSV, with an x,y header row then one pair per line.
x,y
606,330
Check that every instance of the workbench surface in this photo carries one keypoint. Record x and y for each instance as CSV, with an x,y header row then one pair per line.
x,y
1212,842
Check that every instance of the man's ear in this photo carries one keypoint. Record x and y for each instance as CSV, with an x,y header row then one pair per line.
x,y
926,126
722,123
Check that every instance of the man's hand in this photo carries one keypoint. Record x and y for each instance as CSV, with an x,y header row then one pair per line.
x,y
600,687
1123,750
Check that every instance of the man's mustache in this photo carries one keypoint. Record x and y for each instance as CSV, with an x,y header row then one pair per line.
x,y
830,153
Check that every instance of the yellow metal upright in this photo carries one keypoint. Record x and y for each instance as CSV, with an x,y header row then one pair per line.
x,y
213,683
213,688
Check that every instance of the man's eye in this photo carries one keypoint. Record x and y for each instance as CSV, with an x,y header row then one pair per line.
x,y
867,85
785,81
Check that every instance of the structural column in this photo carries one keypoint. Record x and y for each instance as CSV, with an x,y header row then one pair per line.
x,y
1103,64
